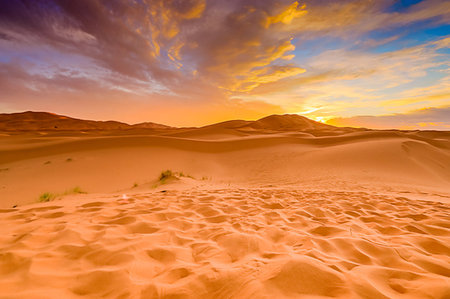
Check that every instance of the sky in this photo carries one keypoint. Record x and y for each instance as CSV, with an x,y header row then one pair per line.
x,y
375,63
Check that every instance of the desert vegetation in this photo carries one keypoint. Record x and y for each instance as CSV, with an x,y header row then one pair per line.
x,y
49,196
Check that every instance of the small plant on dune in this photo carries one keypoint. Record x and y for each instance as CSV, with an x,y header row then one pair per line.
x,y
47,196
48,162
135,185
69,160
182,174
165,175
4,169
77,190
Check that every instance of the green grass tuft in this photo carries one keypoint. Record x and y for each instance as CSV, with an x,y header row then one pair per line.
x,y
165,175
47,196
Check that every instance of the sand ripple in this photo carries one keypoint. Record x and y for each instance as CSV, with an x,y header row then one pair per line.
x,y
228,243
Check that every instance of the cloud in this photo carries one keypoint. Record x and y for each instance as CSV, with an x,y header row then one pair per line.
x,y
163,40
354,17
245,45
234,45
423,119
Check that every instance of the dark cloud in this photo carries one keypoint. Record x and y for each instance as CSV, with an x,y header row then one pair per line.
x,y
143,39
5,36
98,29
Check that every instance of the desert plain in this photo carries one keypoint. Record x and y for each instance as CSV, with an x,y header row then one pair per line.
x,y
281,207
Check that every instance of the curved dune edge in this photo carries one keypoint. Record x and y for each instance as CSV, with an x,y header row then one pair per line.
x,y
227,243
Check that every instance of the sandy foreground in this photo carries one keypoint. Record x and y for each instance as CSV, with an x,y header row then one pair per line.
x,y
227,243
253,215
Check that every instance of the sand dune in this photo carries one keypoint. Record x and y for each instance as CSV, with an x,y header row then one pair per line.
x,y
282,207
112,163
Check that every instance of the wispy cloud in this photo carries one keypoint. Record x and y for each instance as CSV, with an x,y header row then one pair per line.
x,y
423,119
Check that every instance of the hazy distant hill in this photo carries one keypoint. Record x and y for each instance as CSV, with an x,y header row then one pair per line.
x,y
44,121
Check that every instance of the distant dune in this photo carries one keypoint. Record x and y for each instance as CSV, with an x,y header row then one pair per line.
x,y
43,121
35,121
281,207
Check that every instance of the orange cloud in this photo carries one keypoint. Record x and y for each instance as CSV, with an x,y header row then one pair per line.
x,y
291,13
264,75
